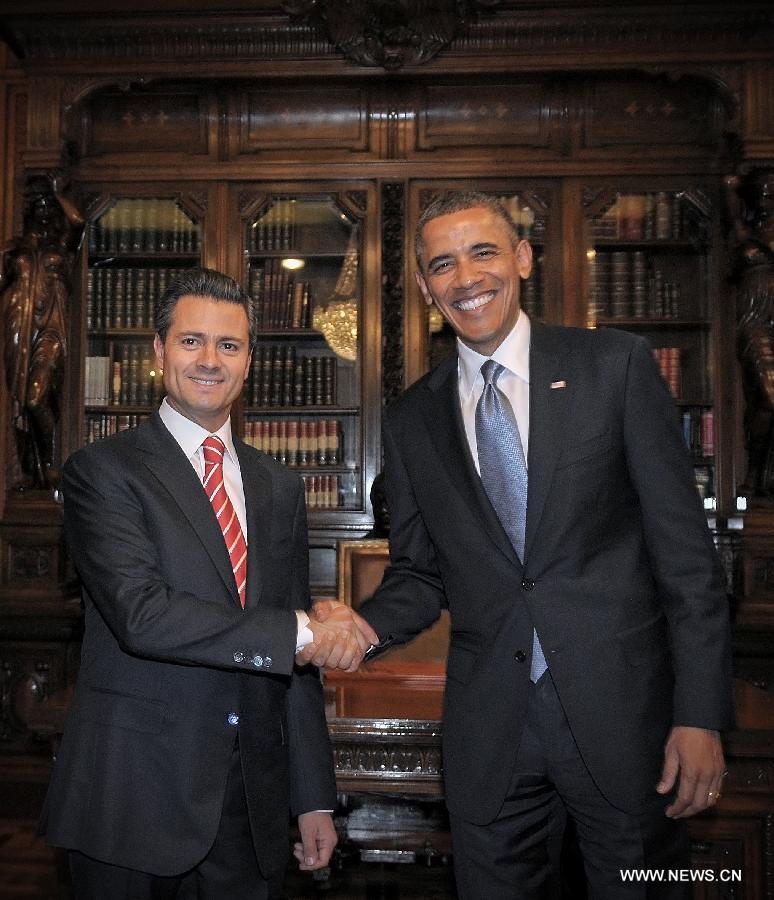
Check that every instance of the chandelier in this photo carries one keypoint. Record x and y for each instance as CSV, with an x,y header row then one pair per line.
x,y
337,318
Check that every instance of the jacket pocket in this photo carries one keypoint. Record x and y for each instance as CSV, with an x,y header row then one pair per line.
x,y
124,710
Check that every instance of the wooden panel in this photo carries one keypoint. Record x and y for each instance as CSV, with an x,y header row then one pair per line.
x,y
455,115
651,112
175,121
304,119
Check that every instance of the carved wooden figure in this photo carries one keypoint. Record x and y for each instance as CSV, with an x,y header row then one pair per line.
x,y
752,202
35,288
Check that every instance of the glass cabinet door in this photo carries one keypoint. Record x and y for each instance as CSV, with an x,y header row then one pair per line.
x,y
303,265
650,271
136,245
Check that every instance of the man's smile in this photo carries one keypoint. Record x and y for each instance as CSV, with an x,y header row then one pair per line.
x,y
475,302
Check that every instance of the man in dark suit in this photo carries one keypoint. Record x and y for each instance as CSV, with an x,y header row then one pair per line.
x,y
588,672
192,736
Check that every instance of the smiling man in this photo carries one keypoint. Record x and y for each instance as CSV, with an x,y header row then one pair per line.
x,y
192,735
539,487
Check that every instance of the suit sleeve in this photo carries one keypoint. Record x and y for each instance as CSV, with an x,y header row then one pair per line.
x,y
312,782
116,556
411,596
688,573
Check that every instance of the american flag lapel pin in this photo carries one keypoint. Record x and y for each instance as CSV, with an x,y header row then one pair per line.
x,y
555,385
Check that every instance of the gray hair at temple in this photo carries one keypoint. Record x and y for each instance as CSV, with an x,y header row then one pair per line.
x,y
203,283
456,201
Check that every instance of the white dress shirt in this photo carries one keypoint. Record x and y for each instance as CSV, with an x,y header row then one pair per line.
x,y
190,437
513,353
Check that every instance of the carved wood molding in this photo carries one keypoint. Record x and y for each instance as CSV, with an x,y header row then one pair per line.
x,y
397,752
393,35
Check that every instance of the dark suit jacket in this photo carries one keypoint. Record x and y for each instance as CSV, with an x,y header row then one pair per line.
x,y
168,654
620,576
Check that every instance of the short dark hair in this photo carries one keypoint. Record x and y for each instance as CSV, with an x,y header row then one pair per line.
x,y
208,283
455,201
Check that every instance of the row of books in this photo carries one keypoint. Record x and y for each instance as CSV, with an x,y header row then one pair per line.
x,y
699,431
276,228
670,366
660,216
139,226
628,285
125,297
282,302
281,377
297,442
101,425
323,491
125,376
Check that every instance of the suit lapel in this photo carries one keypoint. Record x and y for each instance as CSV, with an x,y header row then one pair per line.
x,y
258,503
549,364
168,463
448,433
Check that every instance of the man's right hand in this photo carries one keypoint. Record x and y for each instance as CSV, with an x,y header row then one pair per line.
x,y
341,637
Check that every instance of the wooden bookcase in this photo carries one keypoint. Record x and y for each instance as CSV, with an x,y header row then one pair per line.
x,y
254,141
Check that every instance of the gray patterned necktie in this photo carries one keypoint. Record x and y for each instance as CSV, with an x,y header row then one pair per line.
x,y
503,471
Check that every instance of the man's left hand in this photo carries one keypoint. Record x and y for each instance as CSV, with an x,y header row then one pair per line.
x,y
318,840
695,757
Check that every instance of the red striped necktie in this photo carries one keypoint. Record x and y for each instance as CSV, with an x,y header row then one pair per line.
x,y
224,510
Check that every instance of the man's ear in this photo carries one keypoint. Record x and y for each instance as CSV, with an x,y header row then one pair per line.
x,y
158,348
423,288
524,258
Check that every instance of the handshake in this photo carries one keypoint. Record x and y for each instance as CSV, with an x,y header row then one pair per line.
x,y
341,637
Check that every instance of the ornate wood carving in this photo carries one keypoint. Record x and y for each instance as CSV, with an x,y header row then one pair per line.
x,y
403,755
387,33
393,219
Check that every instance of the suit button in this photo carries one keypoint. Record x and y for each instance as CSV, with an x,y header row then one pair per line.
x,y
239,656
519,656
528,584
233,718
257,661
267,662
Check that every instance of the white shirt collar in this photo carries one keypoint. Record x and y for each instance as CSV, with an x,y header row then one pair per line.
x,y
190,435
513,353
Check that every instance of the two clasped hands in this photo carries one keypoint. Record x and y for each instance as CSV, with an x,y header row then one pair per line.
x,y
341,637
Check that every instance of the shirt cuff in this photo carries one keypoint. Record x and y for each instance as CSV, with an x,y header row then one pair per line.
x,y
304,634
